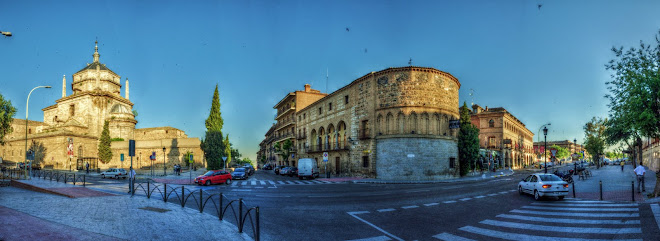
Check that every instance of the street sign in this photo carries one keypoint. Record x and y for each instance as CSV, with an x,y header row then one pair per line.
x,y
553,151
131,147
122,157
292,155
191,158
224,158
325,156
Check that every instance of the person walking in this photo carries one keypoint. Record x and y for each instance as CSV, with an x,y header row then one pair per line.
x,y
131,179
87,167
640,171
623,163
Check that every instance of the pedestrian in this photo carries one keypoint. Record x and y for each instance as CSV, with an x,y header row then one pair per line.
x,y
131,179
640,171
87,167
622,164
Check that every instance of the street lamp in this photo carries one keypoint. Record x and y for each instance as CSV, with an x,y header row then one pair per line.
x,y
545,138
164,168
26,124
538,134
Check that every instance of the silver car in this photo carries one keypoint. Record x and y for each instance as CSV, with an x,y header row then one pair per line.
x,y
115,172
543,185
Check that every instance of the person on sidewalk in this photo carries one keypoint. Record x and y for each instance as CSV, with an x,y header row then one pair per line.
x,y
87,167
640,171
131,178
622,164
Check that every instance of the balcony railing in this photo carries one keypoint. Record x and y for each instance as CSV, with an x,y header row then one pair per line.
x,y
364,134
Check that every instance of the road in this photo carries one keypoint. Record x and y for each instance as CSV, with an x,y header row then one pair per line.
x,y
478,210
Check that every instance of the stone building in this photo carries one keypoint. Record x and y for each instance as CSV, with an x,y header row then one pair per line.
x,y
572,147
503,136
651,153
77,121
390,124
285,124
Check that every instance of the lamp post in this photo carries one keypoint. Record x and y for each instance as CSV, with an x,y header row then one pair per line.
x,y
538,134
164,168
26,125
545,146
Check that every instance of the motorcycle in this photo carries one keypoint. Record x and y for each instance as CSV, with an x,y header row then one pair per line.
x,y
567,177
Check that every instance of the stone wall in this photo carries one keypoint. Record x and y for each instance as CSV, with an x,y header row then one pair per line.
x,y
415,158
159,133
175,149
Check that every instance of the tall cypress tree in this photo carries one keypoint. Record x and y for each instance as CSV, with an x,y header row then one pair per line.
x,y
215,122
227,149
105,153
468,142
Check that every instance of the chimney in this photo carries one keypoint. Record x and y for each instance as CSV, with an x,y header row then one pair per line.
x,y
307,87
486,108
63,86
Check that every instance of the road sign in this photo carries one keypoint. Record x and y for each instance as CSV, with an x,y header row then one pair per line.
x,y
224,158
122,157
553,151
293,155
325,156
131,147
191,158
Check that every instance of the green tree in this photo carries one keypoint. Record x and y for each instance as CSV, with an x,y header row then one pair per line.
x,y
39,152
235,154
7,112
561,152
595,143
227,150
213,148
283,149
468,142
635,94
105,153
214,122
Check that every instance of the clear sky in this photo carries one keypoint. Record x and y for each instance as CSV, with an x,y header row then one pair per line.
x,y
542,64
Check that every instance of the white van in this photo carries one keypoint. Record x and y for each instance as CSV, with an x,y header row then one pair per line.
x,y
307,167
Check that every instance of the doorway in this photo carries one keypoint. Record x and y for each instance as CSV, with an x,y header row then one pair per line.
x,y
337,166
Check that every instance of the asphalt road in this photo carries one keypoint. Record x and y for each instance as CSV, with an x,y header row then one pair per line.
x,y
478,210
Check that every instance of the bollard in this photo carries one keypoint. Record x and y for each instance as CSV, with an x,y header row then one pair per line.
x,y
165,196
200,202
84,179
74,179
633,190
65,176
573,189
600,182
256,236
183,196
240,215
221,208
148,189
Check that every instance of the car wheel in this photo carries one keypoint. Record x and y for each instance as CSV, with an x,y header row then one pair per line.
x,y
536,195
561,197
124,178
228,181
520,191
102,176
207,183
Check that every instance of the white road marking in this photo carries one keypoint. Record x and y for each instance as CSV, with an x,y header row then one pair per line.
x,y
271,182
258,187
451,237
244,183
300,182
431,204
480,197
492,194
281,182
409,207
386,210
503,192
517,236
449,202
374,226
574,214
254,183
262,182
656,213
568,220
546,228
379,238
581,201
242,190
465,199
272,187
584,209
271,196
290,182
234,183
513,190
588,205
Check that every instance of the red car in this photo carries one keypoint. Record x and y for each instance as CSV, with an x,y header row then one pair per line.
x,y
214,177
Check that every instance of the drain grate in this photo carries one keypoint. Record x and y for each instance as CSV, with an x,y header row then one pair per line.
x,y
160,210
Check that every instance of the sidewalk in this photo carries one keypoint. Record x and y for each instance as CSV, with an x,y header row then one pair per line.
x,y
481,176
617,185
79,213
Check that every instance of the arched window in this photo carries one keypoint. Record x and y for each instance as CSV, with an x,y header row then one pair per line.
x,y
491,123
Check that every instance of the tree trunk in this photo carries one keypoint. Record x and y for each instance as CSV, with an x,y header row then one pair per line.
x,y
656,190
639,144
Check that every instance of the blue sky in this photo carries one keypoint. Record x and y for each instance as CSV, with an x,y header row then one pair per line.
x,y
543,65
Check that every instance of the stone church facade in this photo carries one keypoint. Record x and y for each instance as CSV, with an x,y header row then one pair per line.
x,y
79,119
390,124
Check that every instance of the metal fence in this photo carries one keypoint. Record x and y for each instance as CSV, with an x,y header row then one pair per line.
x,y
200,199
60,176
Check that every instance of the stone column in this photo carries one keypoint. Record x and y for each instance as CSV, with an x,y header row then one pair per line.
x,y
63,86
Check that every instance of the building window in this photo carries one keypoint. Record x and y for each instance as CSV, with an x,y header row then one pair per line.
x,y
491,142
304,116
320,110
72,110
491,123
365,161
329,106
346,99
452,162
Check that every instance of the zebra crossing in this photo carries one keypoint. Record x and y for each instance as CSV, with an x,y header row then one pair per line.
x,y
275,183
571,219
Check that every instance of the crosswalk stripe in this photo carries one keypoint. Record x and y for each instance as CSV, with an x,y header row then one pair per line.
x,y
379,238
567,220
431,204
517,236
503,192
449,202
492,194
451,237
409,207
465,199
271,182
253,183
317,181
386,210
262,182
281,182
480,197
300,182
547,228
581,201
244,183
584,209
290,182
573,214
588,205
234,183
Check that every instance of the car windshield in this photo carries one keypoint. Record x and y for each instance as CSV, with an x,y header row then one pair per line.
x,y
549,178
239,170
209,173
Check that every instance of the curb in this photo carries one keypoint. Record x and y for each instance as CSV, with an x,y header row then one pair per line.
x,y
26,186
455,180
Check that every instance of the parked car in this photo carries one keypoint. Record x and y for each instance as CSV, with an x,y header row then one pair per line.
x,y
115,172
214,177
268,167
307,167
293,171
285,170
239,173
278,169
543,185
249,169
